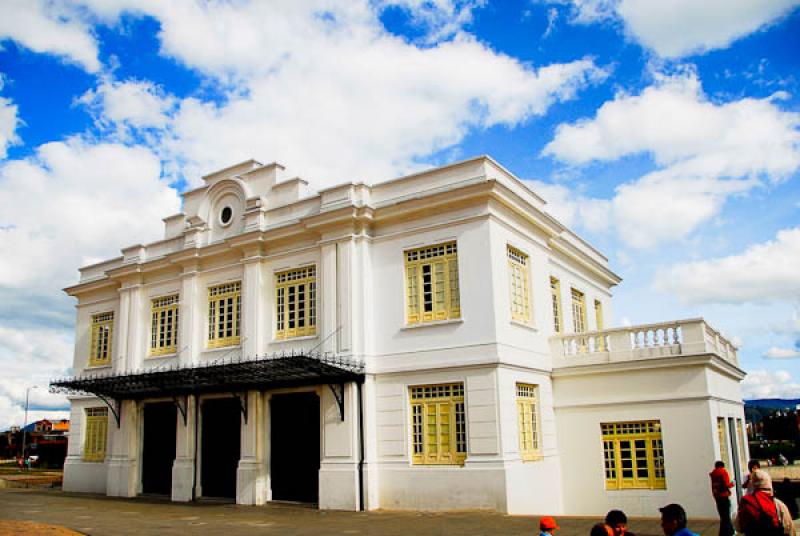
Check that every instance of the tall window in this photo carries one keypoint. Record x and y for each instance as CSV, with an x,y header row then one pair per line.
x,y
530,446
432,283
296,303
438,424
164,325
94,444
723,443
578,311
743,443
224,303
598,314
102,328
555,291
634,455
518,280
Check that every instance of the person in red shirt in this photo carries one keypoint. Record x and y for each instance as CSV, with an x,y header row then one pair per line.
x,y
721,489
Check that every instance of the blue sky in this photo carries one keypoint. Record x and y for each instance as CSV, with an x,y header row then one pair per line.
x,y
667,134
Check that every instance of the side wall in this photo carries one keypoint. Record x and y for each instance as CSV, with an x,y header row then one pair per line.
x,y
682,398
79,475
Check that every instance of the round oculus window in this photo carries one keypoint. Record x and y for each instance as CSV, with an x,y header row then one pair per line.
x,y
226,215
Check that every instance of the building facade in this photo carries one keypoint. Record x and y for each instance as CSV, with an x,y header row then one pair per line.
x,y
437,341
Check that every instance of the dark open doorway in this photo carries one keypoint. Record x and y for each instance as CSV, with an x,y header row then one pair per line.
x,y
158,447
294,465
220,447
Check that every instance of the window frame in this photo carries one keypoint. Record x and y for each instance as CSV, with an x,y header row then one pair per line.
x,y
284,281
519,285
598,315
555,293
578,305
441,259
722,437
651,434
101,339
95,436
445,403
164,325
529,422
219,294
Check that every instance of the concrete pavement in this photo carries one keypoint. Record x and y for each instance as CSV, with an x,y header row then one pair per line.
x,y
100,516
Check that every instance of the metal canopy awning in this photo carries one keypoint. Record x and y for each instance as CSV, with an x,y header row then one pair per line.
x,y
294,369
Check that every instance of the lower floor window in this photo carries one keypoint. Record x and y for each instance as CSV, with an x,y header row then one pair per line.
x,y
634,455
528,422
438,424
94,445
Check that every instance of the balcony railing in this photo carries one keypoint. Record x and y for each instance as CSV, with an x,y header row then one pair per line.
x,y
647,341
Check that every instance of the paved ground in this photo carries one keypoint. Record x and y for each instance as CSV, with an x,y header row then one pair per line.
x,y
100,515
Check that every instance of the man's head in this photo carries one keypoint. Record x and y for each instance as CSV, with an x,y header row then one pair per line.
x,y
752,465
762,481
548,524
719,465
618,521
673,518
601,529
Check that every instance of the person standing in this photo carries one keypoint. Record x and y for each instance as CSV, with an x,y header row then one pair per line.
x,y
721,490
752,466
760,513
547,526
673,521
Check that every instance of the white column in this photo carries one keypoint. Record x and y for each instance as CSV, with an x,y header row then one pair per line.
x,y
123,465
190,334
185,451
338,474
371,469
251,475
328,317
253,293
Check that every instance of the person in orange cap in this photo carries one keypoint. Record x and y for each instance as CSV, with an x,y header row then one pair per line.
x,y
547,526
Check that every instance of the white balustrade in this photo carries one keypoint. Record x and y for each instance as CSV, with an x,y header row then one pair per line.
x,y
649,341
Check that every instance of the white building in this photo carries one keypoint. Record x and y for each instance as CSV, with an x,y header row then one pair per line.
x,y
437,341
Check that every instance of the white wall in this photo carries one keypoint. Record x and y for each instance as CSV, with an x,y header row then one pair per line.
x,y
81,476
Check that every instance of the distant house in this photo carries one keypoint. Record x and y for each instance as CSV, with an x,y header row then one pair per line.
x,y
436,341
45,439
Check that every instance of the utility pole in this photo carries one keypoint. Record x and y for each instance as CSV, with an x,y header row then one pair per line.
x,y
24,428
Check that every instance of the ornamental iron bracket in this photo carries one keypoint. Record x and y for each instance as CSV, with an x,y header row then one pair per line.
x,y
242,398
114,405
338,393
181,408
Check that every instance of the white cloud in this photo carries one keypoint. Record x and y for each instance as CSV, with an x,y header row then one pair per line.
x,y
50,27
32,357
441,18
132,103
765,272
704,151
8,123
681,27
782,353
68,200
764,383
573,209
329,92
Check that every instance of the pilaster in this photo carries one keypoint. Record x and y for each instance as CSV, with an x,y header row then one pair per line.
x,y
328,308
253,335
123,465
190,334
251,475
185,453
